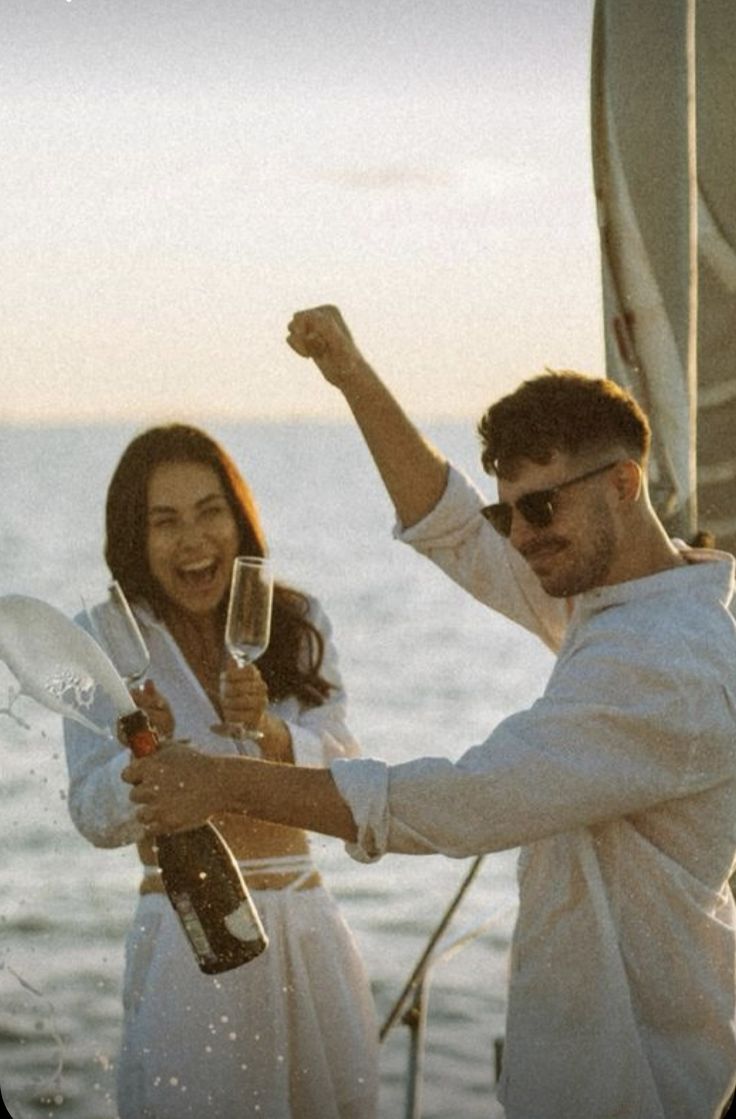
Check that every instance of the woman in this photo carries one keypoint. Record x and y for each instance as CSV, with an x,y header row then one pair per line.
x,y
292,1034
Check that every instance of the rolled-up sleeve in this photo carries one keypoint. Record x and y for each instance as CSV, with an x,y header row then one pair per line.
x,y
615,734
456,538
363,785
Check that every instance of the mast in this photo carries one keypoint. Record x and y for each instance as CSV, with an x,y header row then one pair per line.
x,y
664,160
716,204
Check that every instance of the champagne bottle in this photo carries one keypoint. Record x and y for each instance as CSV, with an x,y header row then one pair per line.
x,y
202,879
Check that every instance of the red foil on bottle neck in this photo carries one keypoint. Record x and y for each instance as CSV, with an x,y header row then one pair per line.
x,y
138,734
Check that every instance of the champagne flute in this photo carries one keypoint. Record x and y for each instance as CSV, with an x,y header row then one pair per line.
x,y
116,631
248,625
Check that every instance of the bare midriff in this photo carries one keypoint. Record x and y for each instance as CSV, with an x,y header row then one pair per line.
x,y
249,839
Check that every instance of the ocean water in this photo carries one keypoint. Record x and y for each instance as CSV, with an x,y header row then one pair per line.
x,y
428,671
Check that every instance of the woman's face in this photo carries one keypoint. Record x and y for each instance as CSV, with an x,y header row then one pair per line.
x,y
192,535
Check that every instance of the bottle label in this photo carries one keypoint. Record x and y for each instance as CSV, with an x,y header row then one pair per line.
x,y
242,925
193,926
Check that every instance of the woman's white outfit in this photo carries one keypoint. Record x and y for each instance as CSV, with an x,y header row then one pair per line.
x,y
290,1035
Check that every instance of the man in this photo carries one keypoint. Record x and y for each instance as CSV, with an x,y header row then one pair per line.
x,y
619,783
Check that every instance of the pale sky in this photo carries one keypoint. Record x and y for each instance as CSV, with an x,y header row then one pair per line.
x,y
179,176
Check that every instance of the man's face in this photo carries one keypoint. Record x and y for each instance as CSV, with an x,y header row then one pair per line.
x,y
577,550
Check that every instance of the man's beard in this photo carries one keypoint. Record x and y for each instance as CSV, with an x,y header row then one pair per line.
x,y
588,569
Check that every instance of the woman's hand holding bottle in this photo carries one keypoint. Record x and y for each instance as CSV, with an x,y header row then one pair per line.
x,y
157,707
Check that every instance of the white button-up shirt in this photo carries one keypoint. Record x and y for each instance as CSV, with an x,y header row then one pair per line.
x,y
620,784
99,801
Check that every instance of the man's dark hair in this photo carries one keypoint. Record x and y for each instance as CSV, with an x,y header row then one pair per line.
x,y
561,411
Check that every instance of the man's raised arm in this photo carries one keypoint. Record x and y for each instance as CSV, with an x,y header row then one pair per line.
x,y
413,471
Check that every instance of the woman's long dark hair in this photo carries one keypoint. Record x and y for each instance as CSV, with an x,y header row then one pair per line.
x,y
291,664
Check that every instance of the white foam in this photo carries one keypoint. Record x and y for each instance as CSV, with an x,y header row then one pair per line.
x,y
56,662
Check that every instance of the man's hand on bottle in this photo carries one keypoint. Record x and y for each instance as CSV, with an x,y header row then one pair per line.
x,y
175,789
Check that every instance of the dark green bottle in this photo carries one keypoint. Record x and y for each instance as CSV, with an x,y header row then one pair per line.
x,y
202,879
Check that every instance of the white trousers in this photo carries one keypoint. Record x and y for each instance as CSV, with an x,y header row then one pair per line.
x,y
290,1035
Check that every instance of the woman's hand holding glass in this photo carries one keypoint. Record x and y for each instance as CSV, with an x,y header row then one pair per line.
x,y
243,696
248,627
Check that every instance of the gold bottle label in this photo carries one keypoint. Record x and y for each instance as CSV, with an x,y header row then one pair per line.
x,y
241,925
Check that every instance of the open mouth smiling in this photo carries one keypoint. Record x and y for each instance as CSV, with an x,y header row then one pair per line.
x,y
200,574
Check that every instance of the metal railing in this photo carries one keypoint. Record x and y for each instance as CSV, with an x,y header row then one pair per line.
x,y
412,1004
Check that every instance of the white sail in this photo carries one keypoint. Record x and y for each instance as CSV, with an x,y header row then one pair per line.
x,y
664,156
716,152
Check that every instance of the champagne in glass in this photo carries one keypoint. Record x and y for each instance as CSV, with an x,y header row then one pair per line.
x,y
248,626
116,631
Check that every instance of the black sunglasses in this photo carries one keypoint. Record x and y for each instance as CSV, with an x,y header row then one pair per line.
x,y
537,508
